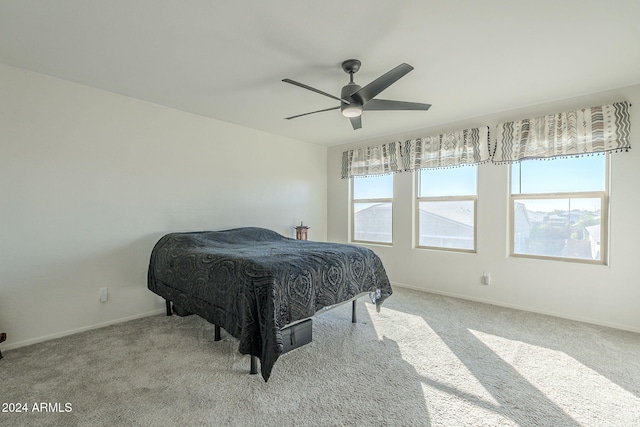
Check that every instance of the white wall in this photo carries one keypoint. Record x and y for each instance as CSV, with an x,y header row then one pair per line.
x,y
90,180
607,295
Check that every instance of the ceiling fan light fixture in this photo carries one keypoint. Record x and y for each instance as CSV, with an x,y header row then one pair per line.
x,y
352,110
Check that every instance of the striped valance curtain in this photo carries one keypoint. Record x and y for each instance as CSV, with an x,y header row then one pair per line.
x,y
464,147
598,129
589,130
376,160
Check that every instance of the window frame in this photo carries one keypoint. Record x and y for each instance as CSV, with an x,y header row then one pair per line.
x,y
418,199
603,195
353,214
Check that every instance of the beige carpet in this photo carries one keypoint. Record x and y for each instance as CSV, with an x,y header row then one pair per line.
x,y
424,360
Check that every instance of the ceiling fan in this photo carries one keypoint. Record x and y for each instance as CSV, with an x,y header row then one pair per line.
x,y
354,98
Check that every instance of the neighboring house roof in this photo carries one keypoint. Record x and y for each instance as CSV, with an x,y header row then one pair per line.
x,y
377,207
445,211
452,211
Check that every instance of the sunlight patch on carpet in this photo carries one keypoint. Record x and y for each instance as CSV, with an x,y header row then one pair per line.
x,y
421,347
568,383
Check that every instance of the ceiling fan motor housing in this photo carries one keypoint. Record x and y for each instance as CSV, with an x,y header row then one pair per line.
x,y
354,108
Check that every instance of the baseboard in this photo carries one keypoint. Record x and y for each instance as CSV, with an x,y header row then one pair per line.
x,y
401,285
78,330
518,307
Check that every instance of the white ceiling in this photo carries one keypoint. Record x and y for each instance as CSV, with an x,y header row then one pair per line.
x,y
226,59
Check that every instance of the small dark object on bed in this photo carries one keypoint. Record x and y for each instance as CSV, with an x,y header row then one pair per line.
x,y
253,282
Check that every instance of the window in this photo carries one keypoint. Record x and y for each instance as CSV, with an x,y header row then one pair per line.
x,y
558,209
371,209
446,208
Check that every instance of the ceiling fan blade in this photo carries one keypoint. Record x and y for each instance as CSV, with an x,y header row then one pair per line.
x,y
304,86
385,104
368,92
313,112
356,122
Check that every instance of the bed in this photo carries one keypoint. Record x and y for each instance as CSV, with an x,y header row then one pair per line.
x,y
255,283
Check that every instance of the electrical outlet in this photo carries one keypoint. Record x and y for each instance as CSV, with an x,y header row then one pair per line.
x,y
103,294
486,278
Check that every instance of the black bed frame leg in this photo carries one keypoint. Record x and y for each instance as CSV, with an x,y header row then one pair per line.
x,y
3,337
217,333
254,365
169,312
354,318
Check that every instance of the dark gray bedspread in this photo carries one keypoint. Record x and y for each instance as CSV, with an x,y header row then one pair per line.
x,y
252,281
